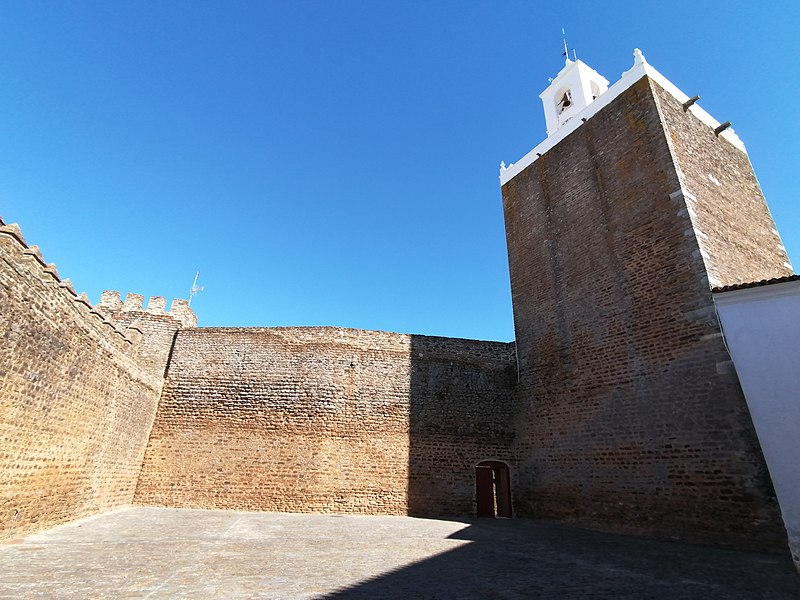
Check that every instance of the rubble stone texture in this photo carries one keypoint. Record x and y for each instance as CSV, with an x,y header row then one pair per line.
x,y
327,420
76,406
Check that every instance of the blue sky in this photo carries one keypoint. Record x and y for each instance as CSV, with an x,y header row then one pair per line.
x,y
336,163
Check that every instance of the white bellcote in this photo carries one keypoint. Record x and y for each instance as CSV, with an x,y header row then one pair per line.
x,y
588,94
575,87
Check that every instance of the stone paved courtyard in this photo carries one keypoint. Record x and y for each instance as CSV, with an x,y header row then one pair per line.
x,y
175,553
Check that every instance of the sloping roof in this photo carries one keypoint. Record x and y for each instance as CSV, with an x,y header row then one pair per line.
x,y
753,284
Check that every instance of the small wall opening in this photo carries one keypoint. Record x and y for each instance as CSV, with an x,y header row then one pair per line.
x,y
493,489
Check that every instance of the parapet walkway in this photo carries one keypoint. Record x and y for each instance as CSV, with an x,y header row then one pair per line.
x,y
174,553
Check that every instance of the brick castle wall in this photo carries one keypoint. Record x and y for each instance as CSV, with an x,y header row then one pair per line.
x,y
76,406
630,416
327,420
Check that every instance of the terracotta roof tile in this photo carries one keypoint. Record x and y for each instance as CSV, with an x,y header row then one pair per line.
x,y
752,284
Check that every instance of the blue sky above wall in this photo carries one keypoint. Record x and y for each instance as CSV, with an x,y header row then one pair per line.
x,y
336,163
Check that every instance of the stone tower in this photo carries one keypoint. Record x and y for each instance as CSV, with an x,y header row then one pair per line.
x,y
618,225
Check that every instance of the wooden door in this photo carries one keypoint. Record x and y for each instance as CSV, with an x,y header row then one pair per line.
x,y
502,484
484,488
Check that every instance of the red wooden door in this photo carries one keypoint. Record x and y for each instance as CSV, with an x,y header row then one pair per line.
x,y
484,488
503,491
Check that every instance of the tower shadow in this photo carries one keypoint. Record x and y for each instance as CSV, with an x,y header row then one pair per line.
x,y
523,558
460,414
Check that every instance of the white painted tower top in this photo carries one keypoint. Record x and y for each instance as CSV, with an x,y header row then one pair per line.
x,y
579,92
575,86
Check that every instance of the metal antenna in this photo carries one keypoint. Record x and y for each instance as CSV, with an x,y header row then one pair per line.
x,y
195,288
566,50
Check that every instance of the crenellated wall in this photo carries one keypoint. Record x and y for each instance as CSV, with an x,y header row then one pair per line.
x,y
298,419
77,401
157,326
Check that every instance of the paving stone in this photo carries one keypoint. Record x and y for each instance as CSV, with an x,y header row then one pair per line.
x,y
181,553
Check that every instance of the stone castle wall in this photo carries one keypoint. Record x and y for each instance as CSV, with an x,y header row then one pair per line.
x,y
157,327
327,420
76,405
631,416
735,232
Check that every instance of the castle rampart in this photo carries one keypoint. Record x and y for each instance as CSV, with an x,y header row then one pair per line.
x,y
76,404
320,419
156,326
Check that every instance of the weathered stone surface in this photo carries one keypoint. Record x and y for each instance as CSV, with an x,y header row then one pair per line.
x,y
327,420
734,229
626,420
76,407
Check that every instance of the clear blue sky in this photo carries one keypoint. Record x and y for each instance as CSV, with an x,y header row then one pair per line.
x,y
336,163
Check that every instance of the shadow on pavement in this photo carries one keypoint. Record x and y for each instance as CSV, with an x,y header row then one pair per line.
x,y
522,558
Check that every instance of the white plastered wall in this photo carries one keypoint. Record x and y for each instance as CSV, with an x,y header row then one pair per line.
x,y
762,330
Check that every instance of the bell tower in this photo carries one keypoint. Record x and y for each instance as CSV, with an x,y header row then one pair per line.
x,y
574,88
619,223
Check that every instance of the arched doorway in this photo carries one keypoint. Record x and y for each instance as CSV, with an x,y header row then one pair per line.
x,y
493,489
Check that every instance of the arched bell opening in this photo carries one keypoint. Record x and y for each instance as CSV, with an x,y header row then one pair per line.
x,y
563,100
493,489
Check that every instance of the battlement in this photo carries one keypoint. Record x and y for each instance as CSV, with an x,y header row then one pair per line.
x,y
111,302
79,389
13,231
